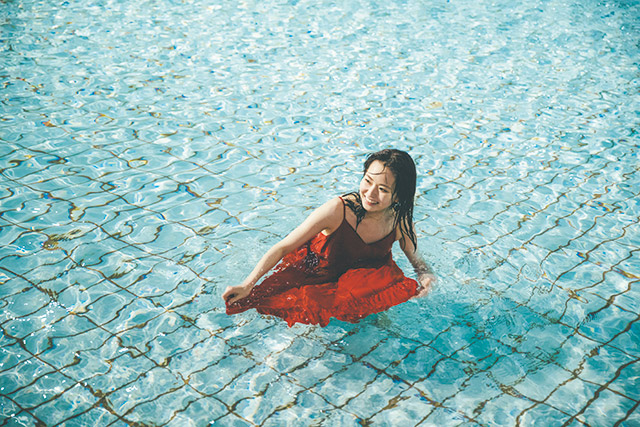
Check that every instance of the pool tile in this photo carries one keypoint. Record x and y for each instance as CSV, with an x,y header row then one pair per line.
x,y
556,238
607,408
384,393
44,387
125,312
309,407
125,370
147,386
221,374
362,342
456,338
503,410
444,416
247,384
106,211
232,420
22,419
26,372
23,304
632,418
539,384
390,352
11,285
179,347
138,336
572,395
627,340
11,354
576,308
540,412
318,370
602,367
474,393
509,370
542,341
87,364
339,388
627,298
264,347
278,396
165,405
336,417
205,410
444,379
624,382
416,366
73,401
8,409
295,356
95,416
407,408
608,322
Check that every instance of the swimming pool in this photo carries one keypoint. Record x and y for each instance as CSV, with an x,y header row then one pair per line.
x,y
151,151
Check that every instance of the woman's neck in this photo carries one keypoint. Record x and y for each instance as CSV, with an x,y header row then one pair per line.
x,y
385,215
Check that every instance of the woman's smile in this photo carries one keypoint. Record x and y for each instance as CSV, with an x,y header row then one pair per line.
x,y
371,202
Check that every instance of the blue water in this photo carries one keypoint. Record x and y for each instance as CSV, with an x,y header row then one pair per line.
x,y
152,151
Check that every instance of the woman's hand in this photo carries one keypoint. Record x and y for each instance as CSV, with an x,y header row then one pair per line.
x,y
234,293
427,280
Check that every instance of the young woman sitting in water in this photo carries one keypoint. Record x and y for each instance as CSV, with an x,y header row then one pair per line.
x,y
338,262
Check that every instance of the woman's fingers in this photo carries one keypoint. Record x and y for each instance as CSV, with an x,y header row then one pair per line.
x,y
234,293
424,290
229,294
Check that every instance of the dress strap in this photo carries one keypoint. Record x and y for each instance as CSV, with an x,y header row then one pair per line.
x,y
344,209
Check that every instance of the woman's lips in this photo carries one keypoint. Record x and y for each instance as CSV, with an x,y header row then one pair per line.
x,y
371,202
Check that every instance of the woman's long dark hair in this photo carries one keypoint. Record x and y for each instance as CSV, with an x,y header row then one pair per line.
x,y
403,169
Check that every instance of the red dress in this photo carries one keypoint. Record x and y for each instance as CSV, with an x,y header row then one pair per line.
x,y
337,276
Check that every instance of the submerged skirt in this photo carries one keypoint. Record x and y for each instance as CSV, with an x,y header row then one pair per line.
x,y
295,295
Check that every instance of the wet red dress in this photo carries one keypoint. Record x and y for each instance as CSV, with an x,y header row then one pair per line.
x,y
337,276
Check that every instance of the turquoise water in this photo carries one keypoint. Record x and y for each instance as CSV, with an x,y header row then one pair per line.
x,y
151,151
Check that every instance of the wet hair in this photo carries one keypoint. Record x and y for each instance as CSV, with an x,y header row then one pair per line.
x,y
403,169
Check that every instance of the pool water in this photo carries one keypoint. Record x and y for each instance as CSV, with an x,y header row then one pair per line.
x,y
152,151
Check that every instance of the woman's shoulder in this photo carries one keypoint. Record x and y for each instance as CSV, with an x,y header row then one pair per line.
x,y
330,214
333,209
336,204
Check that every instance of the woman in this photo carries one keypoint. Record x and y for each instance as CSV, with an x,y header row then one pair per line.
x,y
338,262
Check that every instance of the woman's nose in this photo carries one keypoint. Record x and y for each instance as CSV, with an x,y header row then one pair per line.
x,y
371,191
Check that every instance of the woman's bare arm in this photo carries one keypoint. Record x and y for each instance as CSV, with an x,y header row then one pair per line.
x,y
326,218
425,274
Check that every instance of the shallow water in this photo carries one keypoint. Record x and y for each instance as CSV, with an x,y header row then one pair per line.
x,y
150,152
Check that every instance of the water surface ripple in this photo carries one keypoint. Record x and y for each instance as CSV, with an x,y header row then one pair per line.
x,y
151,151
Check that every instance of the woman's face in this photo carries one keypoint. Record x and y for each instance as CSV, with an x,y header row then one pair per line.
x,y
377,188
